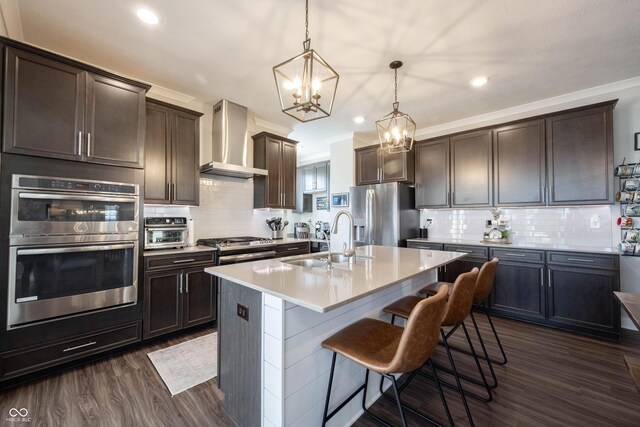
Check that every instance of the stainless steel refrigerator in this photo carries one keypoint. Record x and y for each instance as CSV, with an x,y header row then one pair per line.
x,y
384,214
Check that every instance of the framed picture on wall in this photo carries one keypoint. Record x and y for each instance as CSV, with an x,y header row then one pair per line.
x,y
636,145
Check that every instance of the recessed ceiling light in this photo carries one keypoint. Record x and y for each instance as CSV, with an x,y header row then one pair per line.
x,y
147,16
358,119
479,81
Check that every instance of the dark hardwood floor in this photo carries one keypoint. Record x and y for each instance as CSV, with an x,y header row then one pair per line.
x,y
122,390
553,378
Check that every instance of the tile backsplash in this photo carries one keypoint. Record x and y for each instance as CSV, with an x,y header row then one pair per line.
x,y
575,226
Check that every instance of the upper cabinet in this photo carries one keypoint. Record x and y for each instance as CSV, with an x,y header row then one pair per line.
x,y
55,107
471,169
432,174
316,177
171,155
580,157
374,166
278,156
519,164
563,158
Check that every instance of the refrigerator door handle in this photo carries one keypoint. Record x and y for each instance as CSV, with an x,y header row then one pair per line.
x,y
369,220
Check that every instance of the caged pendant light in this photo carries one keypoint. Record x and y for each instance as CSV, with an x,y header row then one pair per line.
x,y
396,130
306,84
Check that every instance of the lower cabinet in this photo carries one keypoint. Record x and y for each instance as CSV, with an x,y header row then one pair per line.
x,y
518,287
30,359
290,249
566,290
177,298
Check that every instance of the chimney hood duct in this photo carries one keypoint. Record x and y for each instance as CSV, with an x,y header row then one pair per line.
x,y
230,143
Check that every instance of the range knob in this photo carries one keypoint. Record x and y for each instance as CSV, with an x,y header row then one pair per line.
x,y
167,221
98,187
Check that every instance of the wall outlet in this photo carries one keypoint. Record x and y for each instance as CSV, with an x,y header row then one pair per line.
x,y
243,312
595,221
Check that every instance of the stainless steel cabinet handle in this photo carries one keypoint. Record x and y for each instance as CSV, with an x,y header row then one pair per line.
x,y
79,143
292,249
186,283
453,198
512,254
180,283
542,280
579,259
79,346
89,144
168,191
180,261
463,251
173,191
549,278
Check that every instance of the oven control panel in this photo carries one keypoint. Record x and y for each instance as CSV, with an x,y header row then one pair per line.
x,y
74,185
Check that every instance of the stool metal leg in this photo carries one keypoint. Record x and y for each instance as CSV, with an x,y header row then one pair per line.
x,y
455,374
475,358
444,400
326,402
485,352
495,334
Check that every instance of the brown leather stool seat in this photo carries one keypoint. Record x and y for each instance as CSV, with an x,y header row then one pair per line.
x,y
387,349
432,288
403,307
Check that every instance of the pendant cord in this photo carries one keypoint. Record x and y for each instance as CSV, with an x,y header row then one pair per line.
x,y
306,20
396,86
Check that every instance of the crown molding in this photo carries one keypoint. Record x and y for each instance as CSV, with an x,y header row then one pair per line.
x,y
164,92
272,126
11,17
341,138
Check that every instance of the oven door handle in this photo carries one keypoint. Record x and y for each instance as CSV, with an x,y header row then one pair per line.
x,y
149,229
228,259
48,196
74,249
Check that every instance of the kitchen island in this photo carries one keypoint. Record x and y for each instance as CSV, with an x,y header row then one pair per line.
x,y
274,315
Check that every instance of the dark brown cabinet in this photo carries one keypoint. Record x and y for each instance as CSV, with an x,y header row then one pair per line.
x,y
278,156
432,174
518,288
172,155
177,298
580,157
519,173
55,107
471,169
290,249
374,166
580,292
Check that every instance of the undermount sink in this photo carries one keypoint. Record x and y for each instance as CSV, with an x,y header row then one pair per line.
x,y
321,261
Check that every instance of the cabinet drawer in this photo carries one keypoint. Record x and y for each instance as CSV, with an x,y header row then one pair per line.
x,y
517,255
180,260
583,260
300,248
18,362
425,245
472,251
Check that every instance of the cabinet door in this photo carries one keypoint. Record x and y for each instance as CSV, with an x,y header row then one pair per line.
x,y
582,299
393,167
580,157
272,164
162,303
199,296
309,177
519,164
288,171
115,122
186,159
367,166
44,104
432,174
519,291
321,177
157,171
471,170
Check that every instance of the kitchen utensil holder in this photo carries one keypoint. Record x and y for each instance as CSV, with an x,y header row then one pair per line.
x,y
277,234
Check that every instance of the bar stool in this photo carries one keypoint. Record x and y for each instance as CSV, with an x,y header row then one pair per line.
x,y
458,308
388,349
483,289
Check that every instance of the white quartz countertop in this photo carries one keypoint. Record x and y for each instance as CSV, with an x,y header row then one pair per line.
x,y
323,290
519,245
178,251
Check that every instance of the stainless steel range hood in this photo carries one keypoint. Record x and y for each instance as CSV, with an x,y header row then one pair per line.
x,y
230,151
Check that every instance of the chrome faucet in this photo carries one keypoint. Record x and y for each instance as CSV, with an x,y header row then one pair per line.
x,y
348,252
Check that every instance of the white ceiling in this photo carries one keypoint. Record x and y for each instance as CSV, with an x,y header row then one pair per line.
x,y
214,49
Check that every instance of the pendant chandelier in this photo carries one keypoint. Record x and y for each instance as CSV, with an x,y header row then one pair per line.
x,y
306,83
396,130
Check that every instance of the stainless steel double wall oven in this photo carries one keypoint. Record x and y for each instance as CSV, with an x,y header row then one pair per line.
x,y
73,247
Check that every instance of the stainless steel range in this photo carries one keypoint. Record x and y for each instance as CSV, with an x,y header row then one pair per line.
x,y
233,250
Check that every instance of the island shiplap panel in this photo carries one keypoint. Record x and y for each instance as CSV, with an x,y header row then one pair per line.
x,y
272,360
306,364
